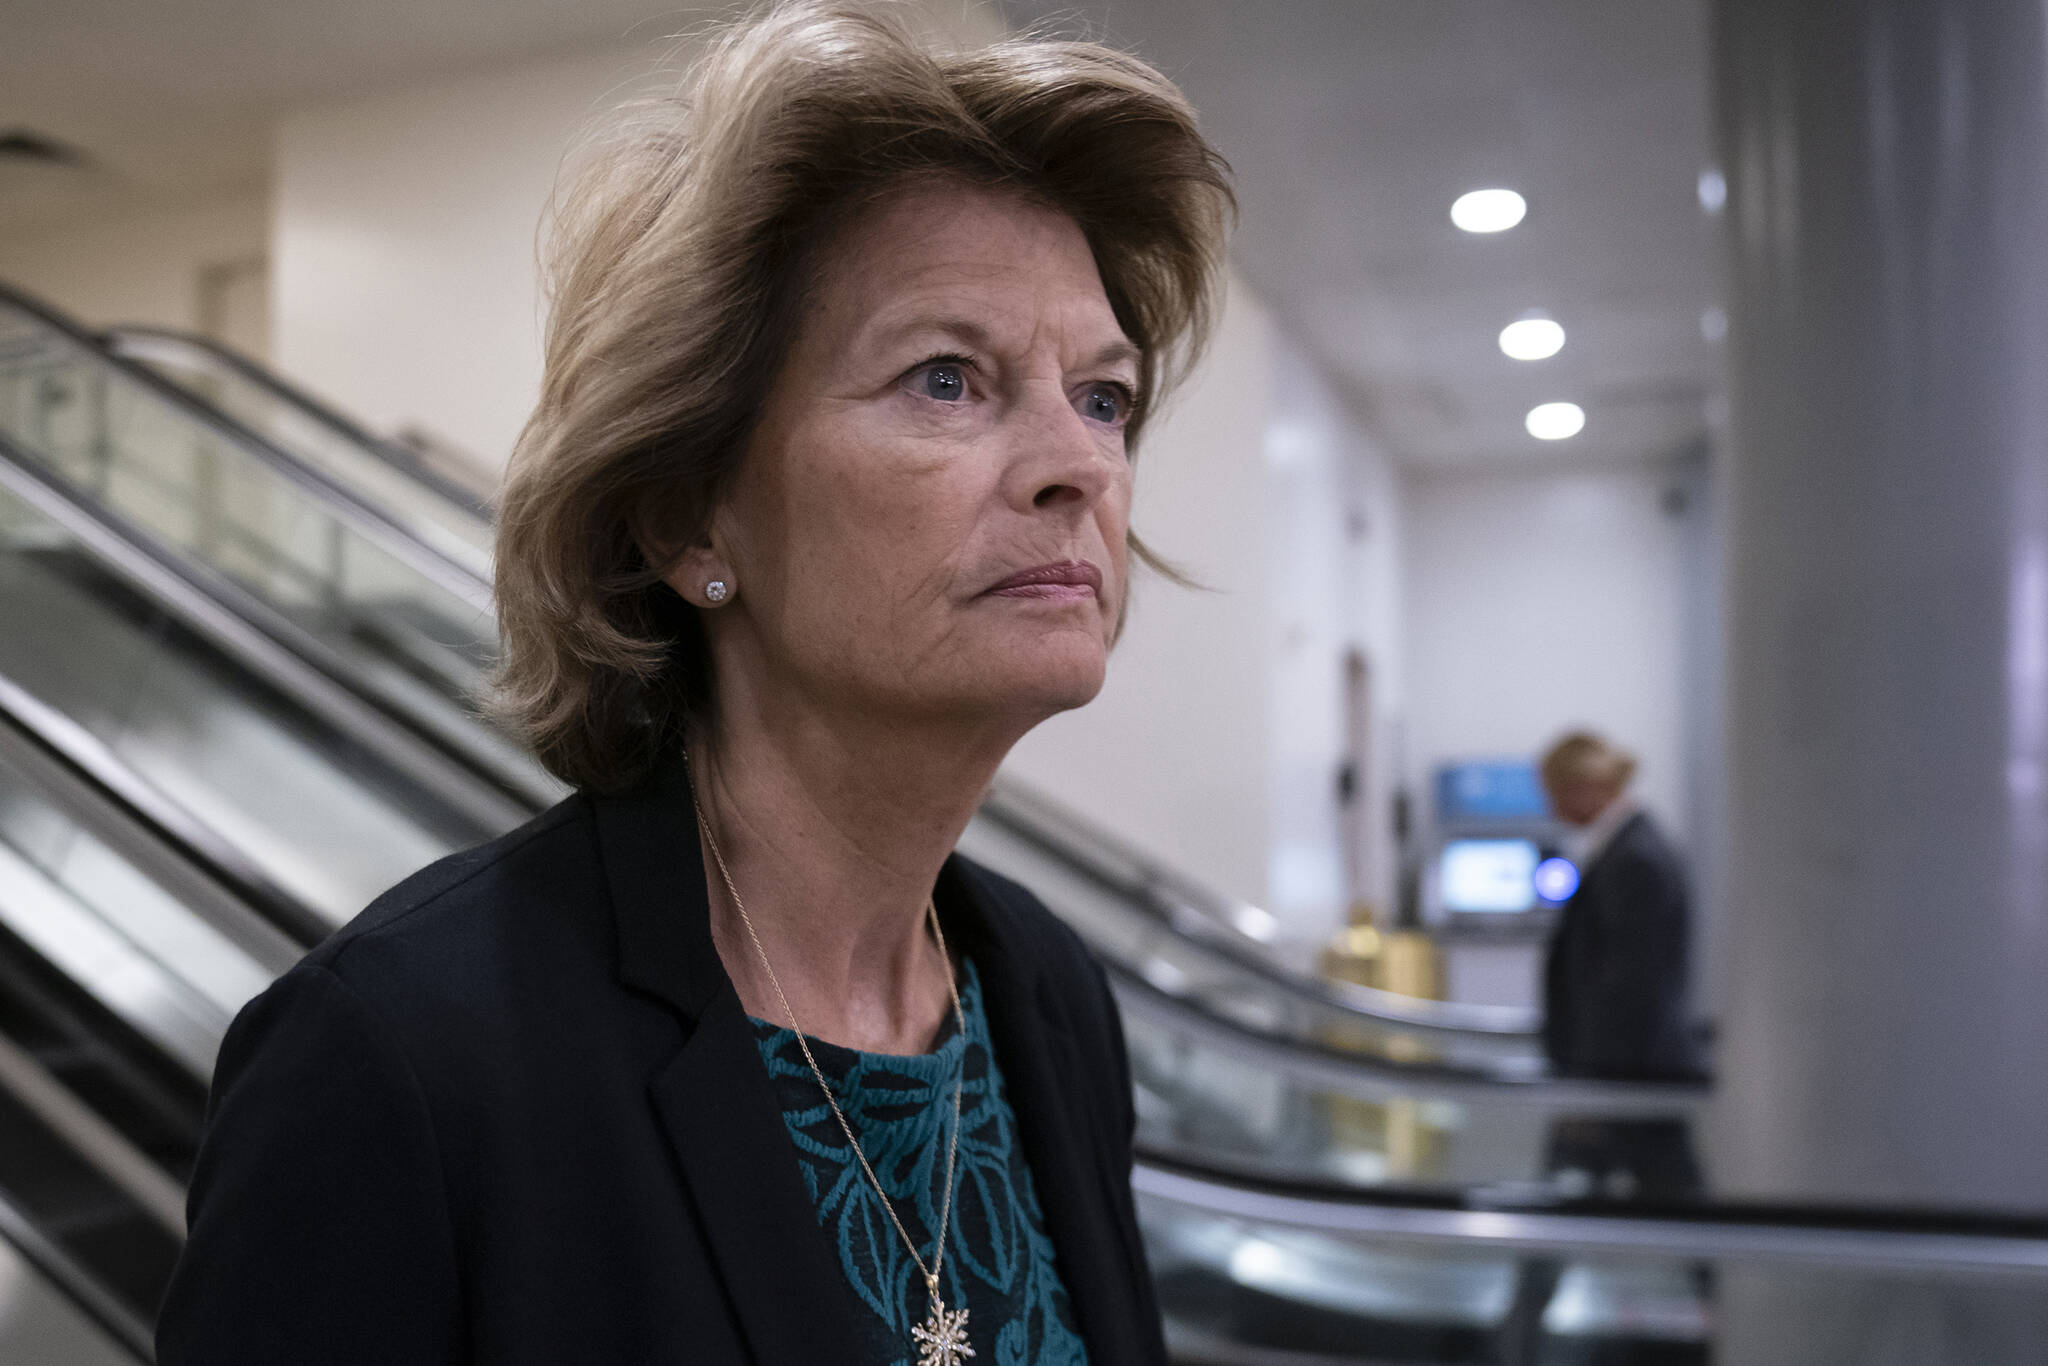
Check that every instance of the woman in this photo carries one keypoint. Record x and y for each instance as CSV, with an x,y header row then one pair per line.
x,y
824,506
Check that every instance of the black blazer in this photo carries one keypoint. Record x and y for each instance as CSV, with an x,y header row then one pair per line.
x,y
1615,983
514,1113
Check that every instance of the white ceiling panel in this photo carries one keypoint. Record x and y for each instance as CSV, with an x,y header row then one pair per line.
x,y
1353,124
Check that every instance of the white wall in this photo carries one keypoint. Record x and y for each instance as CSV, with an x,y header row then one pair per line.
x,y
1376,573
1307,633
153,268
1544,600
405,254
1334,536
407,239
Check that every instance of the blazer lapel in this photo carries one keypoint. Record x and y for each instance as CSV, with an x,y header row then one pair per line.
x,y
1039,1056
716,1103
712,1098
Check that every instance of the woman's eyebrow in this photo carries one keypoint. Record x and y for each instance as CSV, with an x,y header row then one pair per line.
x,y
1122,349
971,334
975,337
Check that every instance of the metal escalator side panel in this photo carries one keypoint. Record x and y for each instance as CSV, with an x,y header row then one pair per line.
x,y
325,815
181,1017
98,1128
247,630
326,576
55,1311
1252,1272
96,794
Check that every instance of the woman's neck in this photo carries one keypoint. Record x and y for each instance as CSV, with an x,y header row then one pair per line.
x,y
833,835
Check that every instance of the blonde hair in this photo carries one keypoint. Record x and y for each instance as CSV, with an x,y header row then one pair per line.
x,y
1581,756
680,257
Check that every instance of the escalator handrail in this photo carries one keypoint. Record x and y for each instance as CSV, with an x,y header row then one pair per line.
x,y
389,530
75,1283
1875,1240
137,338
1196,913
1327,1067
27,723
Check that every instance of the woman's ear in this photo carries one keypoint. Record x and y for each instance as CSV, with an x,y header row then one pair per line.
x,y
698,570
701,577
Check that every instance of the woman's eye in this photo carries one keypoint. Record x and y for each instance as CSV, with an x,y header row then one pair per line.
x,y
945,381
1107,403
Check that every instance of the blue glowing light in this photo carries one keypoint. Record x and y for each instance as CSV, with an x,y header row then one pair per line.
x,y
1556,879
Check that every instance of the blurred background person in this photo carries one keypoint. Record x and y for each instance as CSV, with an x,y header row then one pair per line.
x,y
1616,1006
1615,993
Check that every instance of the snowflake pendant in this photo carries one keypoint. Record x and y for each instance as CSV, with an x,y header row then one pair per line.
x,y
942,1337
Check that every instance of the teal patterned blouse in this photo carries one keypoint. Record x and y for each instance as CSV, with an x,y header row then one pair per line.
x,y
999,1260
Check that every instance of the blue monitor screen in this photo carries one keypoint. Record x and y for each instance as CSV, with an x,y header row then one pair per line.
x,y
1491,877
1487,790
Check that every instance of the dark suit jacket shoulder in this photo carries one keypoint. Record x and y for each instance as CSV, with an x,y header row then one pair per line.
x,y
1616,999
514,1113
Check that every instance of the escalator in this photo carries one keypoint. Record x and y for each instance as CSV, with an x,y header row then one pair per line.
x,y
369,601
98,886
1327,1173
55,1311
124,952
1263,1272
127,942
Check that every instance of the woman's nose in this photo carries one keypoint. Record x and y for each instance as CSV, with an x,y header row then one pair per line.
x,y
1059,457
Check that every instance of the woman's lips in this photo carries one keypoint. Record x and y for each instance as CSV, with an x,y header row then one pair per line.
x,y
1063,581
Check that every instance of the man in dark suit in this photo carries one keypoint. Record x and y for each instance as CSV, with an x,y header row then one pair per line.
x,y
1614,1007
1615,980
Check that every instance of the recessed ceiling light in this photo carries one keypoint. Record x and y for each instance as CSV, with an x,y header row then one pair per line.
x,y
1713,189
1555,421
1488,210
1713,322
1532,338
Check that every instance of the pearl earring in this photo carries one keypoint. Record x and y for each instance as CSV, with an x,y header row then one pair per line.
x,y
718,590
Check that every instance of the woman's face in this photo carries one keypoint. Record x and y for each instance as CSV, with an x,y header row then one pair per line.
x,y
929,520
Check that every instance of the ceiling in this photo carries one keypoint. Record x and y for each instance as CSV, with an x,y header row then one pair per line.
x,y
174,100
1352,124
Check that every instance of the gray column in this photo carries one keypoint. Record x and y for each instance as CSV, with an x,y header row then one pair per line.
x,y
1884,1000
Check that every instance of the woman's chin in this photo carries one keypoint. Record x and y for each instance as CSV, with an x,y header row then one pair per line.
x,y
1057,677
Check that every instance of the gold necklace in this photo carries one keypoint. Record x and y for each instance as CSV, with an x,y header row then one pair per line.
x,y
941,1340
